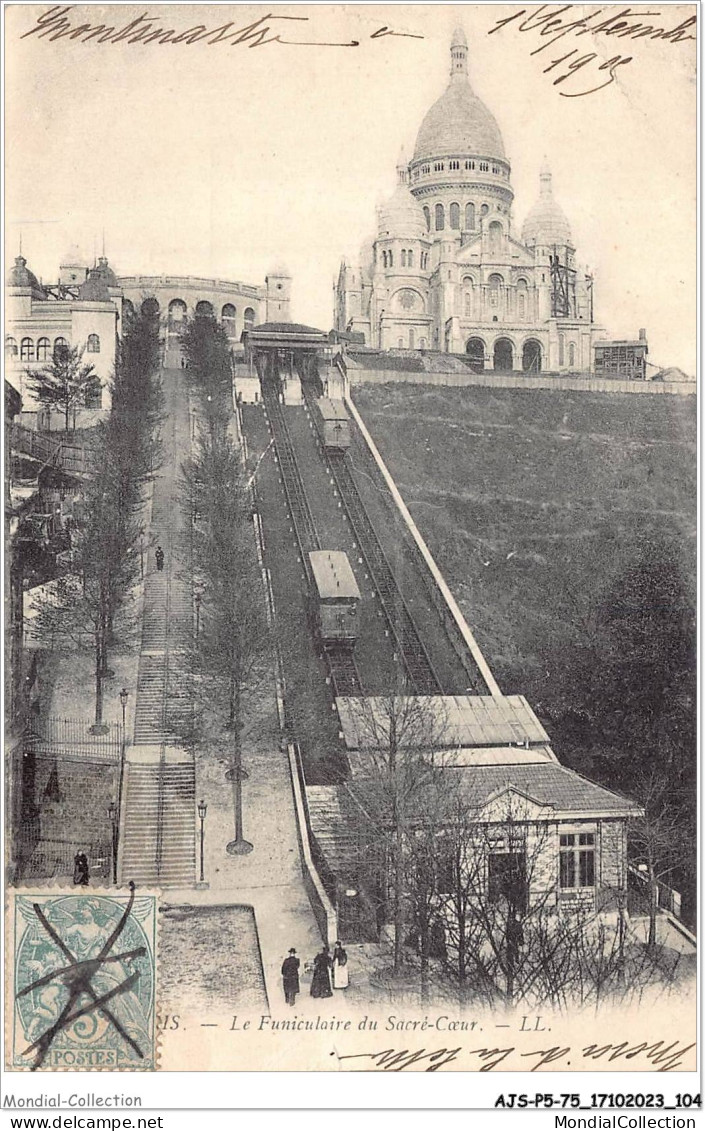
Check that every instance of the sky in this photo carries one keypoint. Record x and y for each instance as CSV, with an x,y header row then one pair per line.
x,y
225,160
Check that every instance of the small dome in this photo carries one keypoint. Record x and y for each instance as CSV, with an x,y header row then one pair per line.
x,y
401,216
21,276
99,283
546,223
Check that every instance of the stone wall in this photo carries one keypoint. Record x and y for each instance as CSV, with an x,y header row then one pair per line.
x,y
491,380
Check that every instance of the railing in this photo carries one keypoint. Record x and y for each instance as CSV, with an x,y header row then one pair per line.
x,y
72,739
70,457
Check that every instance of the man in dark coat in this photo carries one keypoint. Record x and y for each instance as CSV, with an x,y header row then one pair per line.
x,y
80,869
290,977
159,555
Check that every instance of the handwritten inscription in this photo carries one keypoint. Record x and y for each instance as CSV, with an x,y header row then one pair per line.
x,y
54,24
661,1056
576,69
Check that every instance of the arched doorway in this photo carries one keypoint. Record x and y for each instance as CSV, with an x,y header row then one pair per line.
x,y
503,357
228,314
204,309
475,349
177,310
150,308
531,356
128,308
249,317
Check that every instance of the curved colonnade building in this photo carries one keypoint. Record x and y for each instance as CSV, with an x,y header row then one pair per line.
x,y
446,271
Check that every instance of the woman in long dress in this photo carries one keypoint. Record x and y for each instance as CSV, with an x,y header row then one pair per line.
x,y
320,982
340,967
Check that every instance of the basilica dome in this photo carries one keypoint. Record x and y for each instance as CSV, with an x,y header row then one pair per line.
x,y
458,124
546,222
101,279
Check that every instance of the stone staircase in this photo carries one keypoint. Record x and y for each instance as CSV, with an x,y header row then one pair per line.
x,y
158,818
335,827
159,846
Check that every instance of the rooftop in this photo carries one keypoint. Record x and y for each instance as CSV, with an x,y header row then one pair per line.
x,y
333,575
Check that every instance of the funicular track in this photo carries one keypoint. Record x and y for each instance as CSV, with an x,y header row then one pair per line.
x,y
417,663
342,667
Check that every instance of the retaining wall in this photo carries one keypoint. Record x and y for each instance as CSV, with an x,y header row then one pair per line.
x,y
517,381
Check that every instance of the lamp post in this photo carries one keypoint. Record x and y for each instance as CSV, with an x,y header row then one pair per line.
x,y
202,810
124,695
197,603
113,815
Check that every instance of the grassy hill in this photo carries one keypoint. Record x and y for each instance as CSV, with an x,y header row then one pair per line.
x,y
565,524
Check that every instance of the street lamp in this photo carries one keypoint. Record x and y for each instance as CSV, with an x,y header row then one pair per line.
x,y
124,695
202,810
114,815
197,602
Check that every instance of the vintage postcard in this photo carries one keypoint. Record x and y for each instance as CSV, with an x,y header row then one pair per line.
x,y
350,541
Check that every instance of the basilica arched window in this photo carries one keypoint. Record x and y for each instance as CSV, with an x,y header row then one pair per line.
x,y
522,299
455,215
495,282
93,344
410,258
571,355
249,318
470,216
440,218
495,235
467,299
403,257
11,349
422,343
411,337
561,349
61,348
27,349
390,259
427,214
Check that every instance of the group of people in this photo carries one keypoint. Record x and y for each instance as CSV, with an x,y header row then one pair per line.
x,y
330,972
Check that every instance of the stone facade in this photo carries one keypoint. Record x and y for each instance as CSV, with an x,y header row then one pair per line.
x,y
446,271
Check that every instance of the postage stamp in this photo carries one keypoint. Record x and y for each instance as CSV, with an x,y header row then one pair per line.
x,y
84,971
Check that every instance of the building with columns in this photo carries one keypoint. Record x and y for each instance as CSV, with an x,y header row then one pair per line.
x,y
446,270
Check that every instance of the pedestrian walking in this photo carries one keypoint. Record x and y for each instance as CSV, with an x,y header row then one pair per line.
x,y
159,555
81,873
340,967
320,983
290,977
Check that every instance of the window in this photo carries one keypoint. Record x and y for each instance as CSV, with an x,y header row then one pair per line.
x,y
403,258
561,349
522,299
439,166
467,300
204,309
484,167
455,215
61,347
470,216
422,343
495,284
27,350
495,235
401,343
469,164
577,853
440,218
390,259
427,214
506,878
93,344
453,164
410,258
11,349
411,337
484,209
94,394
571,354
43,349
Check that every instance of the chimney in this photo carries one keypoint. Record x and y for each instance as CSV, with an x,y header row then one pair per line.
x,y
642,334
